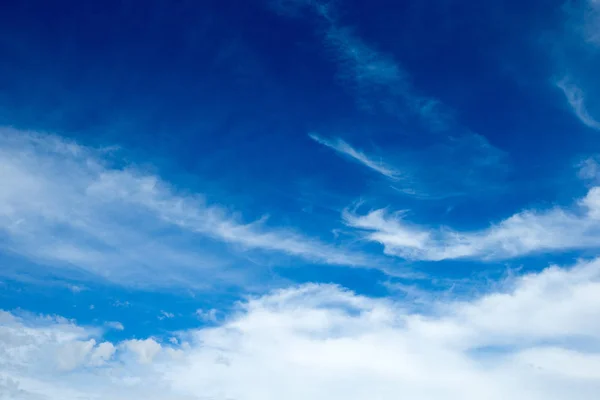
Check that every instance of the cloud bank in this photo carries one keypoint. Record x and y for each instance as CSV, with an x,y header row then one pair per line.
x,y
538,338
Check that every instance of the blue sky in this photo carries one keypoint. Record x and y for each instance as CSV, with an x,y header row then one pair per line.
x,y
268,198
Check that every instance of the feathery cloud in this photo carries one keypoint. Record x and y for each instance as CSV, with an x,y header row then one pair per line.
x,y
523,233
381,84
576,99
592,23
464,164
343,148
378,81
64,204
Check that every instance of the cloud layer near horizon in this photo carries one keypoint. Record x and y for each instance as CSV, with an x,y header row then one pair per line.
x,y
536,338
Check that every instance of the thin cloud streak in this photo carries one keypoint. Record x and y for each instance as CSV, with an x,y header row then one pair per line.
x,y
343,148
378,81
592,23
64,204
464,165
576,99
380,84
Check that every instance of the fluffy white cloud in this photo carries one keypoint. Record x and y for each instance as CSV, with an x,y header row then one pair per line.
x,y
523,233
207,315
537,338
102,353
68,205
115,325
145,350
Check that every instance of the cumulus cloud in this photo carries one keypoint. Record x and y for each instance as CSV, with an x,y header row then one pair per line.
x,y
343,148
576,99
207,315
536,338
102,353
115,325
145,350
526,232
56,342
64,204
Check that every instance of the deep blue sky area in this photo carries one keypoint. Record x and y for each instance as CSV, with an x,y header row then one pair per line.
x,y
290,117
299,199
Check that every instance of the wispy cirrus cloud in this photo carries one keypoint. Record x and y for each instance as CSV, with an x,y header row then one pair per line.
x,y
382,85
575,51
463,165
68,205
536,337
576,99
379,82
527,232
343,148
591,22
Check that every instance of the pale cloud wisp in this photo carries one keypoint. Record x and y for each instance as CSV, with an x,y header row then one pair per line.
x,y
343,148
526,232
65,204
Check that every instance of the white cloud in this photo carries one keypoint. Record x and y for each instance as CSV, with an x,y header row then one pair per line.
x,y
464,164
76,288
523,233
145,350
344,148
207,315
165,315
115,325
537,338
576,99
63,204
589,170
73,354
102,353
